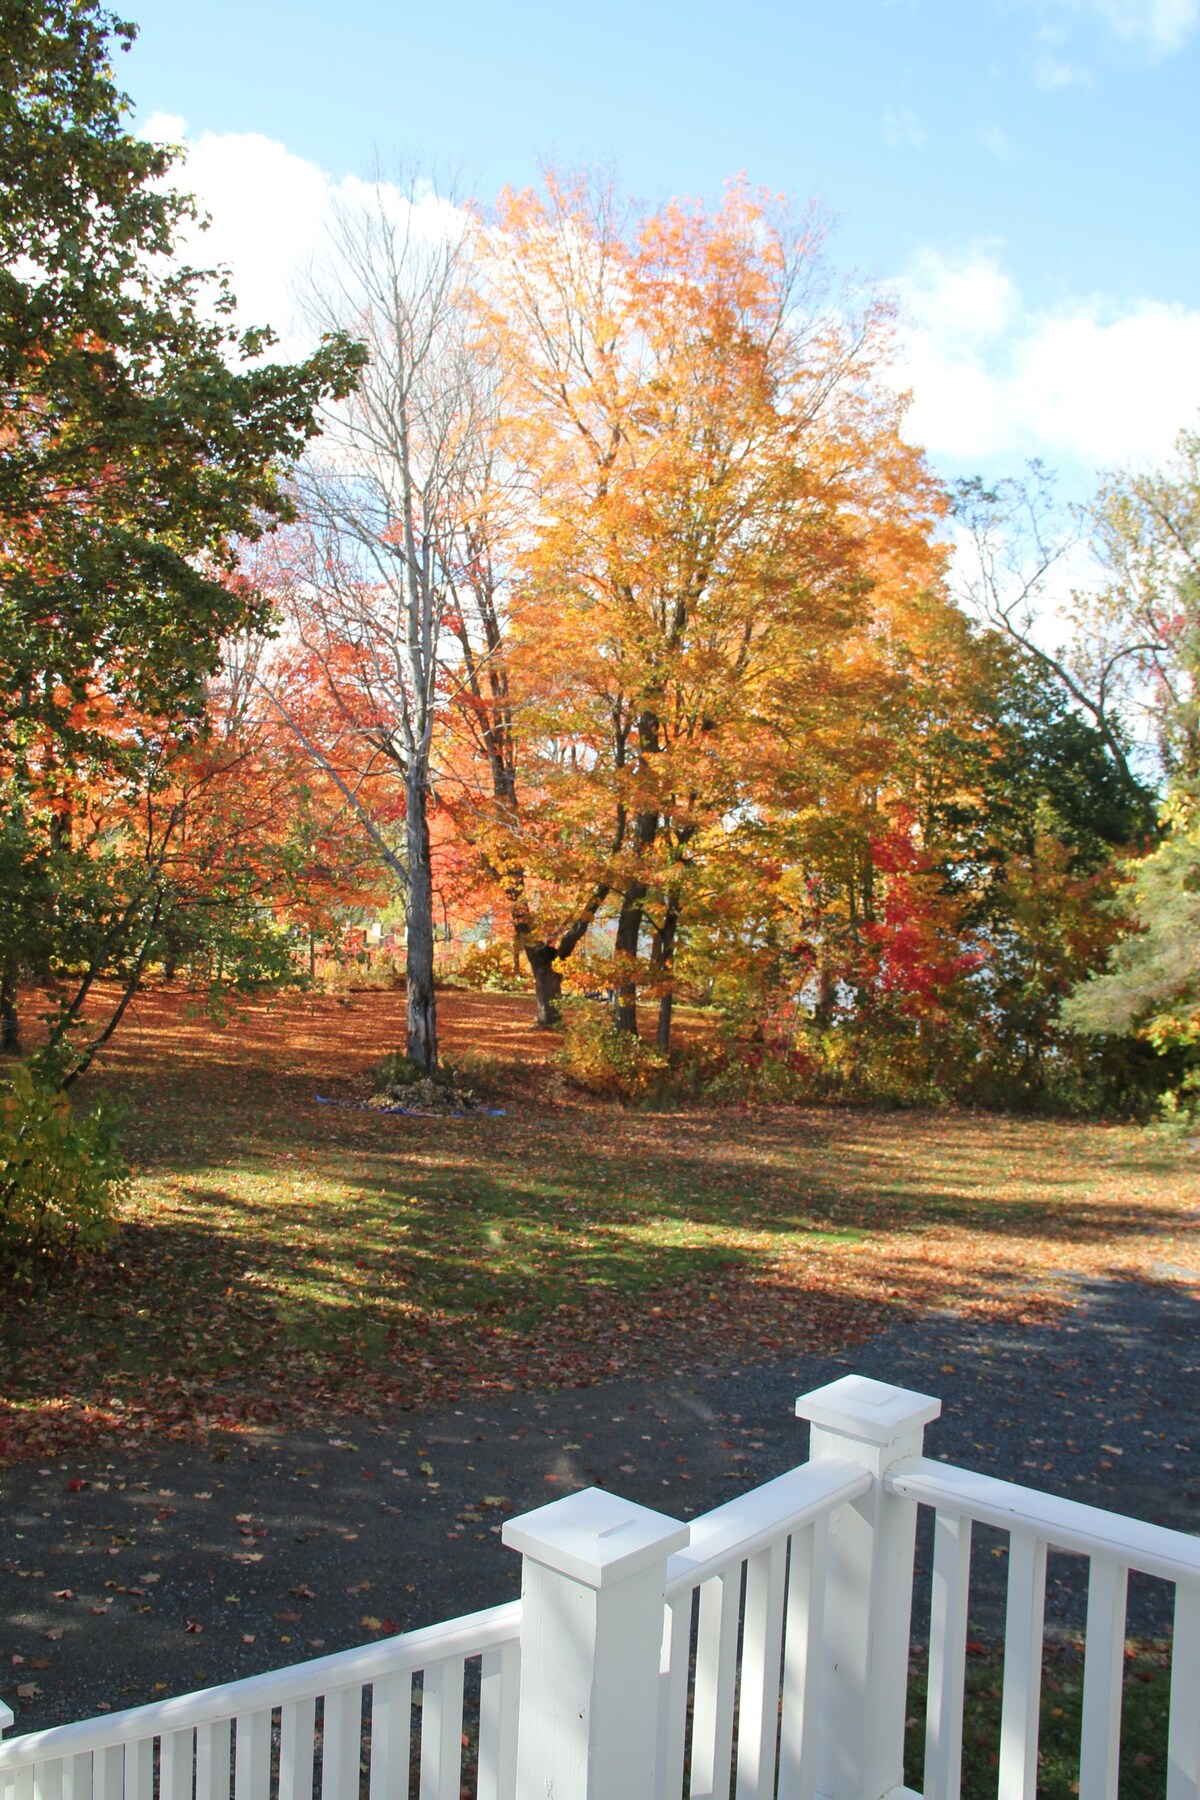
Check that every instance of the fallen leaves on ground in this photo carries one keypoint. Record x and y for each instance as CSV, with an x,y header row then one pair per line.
x,y
279,1260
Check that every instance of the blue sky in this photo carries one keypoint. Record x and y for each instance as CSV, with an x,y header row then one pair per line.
x,y
1023,171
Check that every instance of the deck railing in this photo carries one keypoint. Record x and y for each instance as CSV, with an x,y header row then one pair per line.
x,y
304,1731
1113,1546
760,1653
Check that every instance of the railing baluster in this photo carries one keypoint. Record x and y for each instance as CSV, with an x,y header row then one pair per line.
x,y
802,1662
762,1654
391,1737
499,1691
341,1744
672,1696
252,1756
78,1782
1024,1627
297,1731
108,1773
716,1672
1183,1736
592,1660
139,1770
1103,1671
48,1780
441,1730
947,1656
212,1761
175,1765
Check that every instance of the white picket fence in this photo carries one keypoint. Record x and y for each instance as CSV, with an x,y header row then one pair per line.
x,y
760,1653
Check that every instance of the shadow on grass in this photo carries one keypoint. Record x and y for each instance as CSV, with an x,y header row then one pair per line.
x,y
274,1245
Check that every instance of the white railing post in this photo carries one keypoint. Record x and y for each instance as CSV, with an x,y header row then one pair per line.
x,y
6,1717
868,1597
592,1600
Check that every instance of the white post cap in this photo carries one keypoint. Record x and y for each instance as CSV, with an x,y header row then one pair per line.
x,y
594,1536
875,1412
6,1717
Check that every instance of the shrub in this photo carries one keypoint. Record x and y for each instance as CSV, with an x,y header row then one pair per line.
x,y
754,1074
489,968
60,1178
1179,1109
615,1064
395,1072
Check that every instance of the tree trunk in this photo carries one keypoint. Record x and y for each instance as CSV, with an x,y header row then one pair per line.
x,y
629,919
826,992
547,984
662,957
422,1018
10,1024
172,951
629,931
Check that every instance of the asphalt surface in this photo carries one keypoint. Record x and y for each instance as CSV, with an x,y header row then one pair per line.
x,y
131,1578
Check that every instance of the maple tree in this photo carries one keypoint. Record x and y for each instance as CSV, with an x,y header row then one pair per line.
x,y
718,487
199,853
612,601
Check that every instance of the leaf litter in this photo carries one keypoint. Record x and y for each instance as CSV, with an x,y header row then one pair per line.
x,y
276,1266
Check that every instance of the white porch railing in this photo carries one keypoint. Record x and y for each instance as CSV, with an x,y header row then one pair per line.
x,y
761,1652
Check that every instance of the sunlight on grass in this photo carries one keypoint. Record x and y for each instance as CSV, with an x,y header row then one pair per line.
x,y
273,1252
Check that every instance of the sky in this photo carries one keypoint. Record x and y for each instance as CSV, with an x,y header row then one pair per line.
x,y
1021,174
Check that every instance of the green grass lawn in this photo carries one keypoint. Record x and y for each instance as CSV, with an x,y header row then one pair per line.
x,y
1144,1714
277,1255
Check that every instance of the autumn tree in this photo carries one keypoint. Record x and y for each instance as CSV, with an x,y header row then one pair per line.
x,y
144,436
717,467
370,572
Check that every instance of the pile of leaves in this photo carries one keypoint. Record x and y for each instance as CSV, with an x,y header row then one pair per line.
x,y
403,1086
428,1096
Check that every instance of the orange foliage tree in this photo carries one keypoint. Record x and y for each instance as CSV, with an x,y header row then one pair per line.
x,y
722,528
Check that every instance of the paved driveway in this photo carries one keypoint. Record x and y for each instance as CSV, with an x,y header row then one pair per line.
x,y
128,1579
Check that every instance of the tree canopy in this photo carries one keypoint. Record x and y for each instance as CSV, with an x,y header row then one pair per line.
x,y
144,438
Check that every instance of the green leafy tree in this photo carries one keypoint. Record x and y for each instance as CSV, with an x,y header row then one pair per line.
x,y
1152,984
143,436
1147,529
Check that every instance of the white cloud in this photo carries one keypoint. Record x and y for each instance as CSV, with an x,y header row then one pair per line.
x,y
997,140
1052,72
269,213
960,300
901,126
994,379
164,128
1159,27
1156,28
